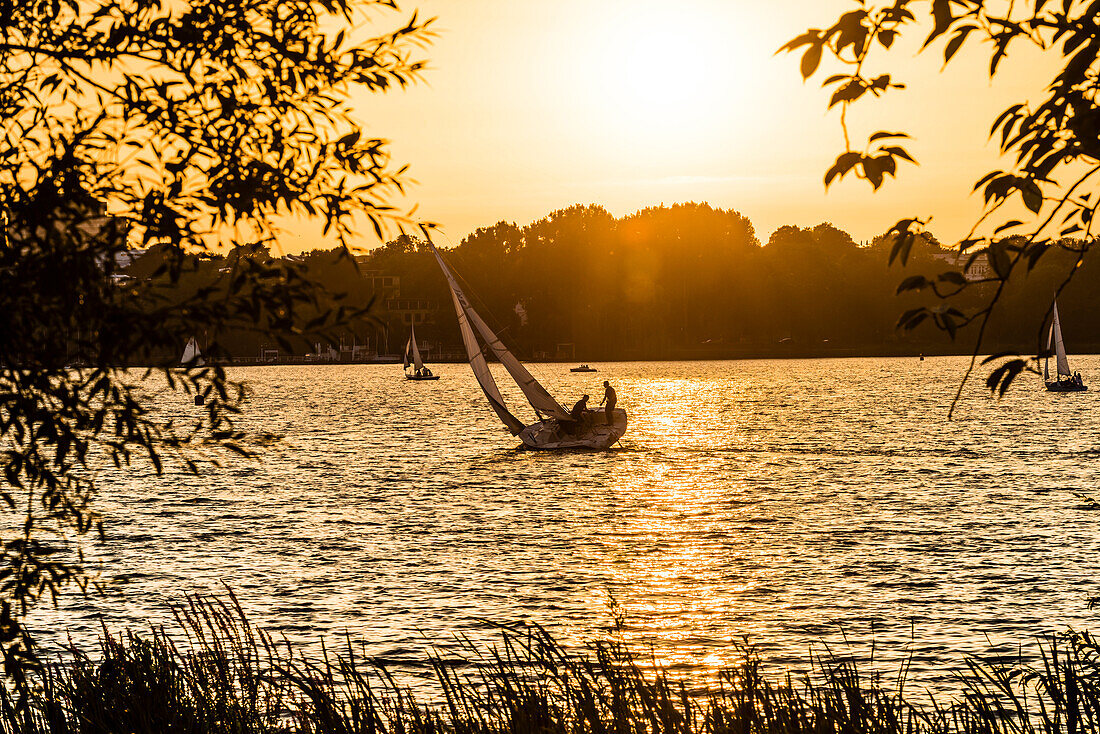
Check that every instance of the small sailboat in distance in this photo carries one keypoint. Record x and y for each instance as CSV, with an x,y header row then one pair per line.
x,y
555,427
412,359
191,354
1065,380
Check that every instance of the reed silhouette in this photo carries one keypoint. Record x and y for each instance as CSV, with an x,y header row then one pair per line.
x,y
228,676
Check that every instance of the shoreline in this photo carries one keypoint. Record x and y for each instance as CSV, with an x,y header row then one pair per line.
x,y
747,355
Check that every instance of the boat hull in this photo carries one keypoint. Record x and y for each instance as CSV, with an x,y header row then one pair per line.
x,y
583,369
1065,386
592,431
418,378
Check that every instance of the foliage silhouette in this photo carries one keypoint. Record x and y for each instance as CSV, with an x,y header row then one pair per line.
x,y
1053,144
185,127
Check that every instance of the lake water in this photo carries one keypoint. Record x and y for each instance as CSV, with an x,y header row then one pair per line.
x,y
792,503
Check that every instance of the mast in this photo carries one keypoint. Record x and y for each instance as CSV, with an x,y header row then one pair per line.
x,y
1046,361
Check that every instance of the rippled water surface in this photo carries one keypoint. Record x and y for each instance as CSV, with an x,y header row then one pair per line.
x,y
792,502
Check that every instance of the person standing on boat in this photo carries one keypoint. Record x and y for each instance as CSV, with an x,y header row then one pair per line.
x,y
610,398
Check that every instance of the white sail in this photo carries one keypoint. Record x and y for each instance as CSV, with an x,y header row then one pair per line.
x,y
408,354
411,347
1059,346
466,314
481,369
560,430
541,400
191,352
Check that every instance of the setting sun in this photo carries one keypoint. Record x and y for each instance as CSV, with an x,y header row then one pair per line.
x,y
659,69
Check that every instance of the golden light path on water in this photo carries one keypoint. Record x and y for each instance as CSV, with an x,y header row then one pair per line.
x,y
788,503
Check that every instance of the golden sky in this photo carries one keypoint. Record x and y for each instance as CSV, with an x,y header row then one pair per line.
x,y
533,106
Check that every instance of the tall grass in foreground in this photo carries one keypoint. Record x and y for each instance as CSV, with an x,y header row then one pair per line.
x,y
231,677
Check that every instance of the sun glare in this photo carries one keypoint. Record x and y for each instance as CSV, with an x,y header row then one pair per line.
x,y
662,70
652,63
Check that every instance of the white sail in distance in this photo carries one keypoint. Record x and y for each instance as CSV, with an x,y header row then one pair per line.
x,y
418,364
191,352
1059,345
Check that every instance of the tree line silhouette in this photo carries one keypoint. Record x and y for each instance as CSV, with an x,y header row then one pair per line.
x,y
667,282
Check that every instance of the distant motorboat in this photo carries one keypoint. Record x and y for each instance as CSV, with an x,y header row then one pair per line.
x,y
1065,380
556,428
583,368
412,359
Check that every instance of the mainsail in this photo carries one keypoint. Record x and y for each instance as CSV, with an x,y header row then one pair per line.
x,y
542,401
536,394
482,373
1055,336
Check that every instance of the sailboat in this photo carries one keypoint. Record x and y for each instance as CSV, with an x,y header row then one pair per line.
x,y
412,359
555,427
1065,380
191,353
